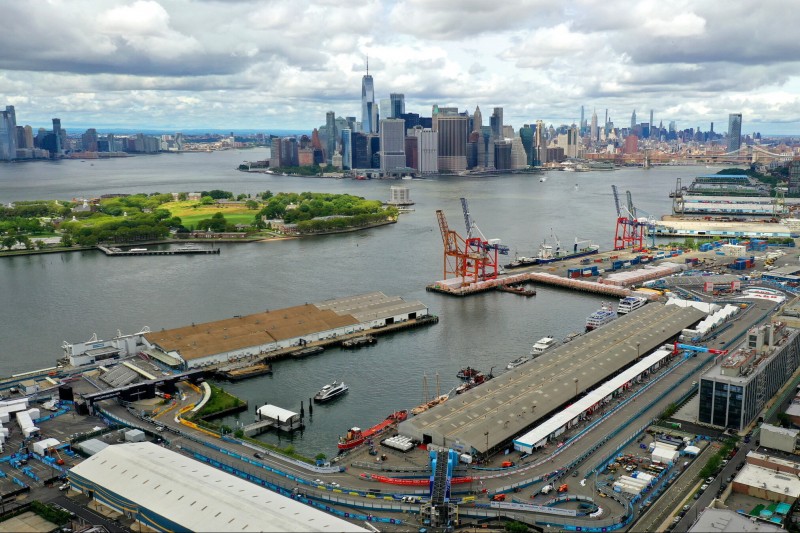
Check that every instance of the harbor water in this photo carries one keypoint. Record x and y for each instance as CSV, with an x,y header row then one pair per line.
x,y
54,298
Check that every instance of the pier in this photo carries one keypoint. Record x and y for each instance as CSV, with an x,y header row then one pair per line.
x,y
115,252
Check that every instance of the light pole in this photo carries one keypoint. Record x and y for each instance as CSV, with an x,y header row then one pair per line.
x,y
637,350
486,434
576,385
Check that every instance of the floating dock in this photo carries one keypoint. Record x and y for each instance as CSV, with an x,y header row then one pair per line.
x,y
244,371
116,252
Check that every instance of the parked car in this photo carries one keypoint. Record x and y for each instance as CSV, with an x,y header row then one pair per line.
x,y
703,487
687,507
710,480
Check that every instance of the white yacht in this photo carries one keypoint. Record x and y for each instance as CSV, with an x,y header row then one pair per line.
x,y
518,362
630,303
331,391
542,345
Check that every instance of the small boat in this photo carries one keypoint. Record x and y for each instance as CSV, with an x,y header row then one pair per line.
x,y
468,373
542,345
519,361
601,317
427,405
358,342
542,179
305,352
630,303
138,250
479,379
355,436
329,392
572,336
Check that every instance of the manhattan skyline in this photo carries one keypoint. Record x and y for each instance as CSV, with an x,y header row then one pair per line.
x,y
173,64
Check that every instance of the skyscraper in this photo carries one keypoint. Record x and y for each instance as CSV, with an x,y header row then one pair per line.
x,y
398,105
8,134
59,140
330,127
452,142
496,122
369,112
393,144
734,132
593,132
347,148
633,120
582,125
651,122
540,144
477,119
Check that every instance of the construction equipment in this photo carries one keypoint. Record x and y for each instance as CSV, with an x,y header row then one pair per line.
x,y
472,259
629,232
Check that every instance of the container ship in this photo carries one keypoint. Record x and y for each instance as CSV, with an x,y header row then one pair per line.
x,y
355,436
550,254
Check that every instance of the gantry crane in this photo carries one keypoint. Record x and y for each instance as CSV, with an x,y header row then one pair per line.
x,y
472,259
483,250
629,232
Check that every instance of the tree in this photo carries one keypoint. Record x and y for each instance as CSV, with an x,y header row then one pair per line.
x,y
516,527
182,196
206,200
9,242
241,197
66,240
251,204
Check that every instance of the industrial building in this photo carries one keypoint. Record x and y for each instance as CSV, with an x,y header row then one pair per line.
x,y
734,391
167,491
490,416
767,484
234,338
728,521
778,438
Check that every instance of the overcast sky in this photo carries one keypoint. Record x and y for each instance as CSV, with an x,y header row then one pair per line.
x,y
281,64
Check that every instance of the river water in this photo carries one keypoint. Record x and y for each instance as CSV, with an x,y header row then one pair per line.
x,y
54,298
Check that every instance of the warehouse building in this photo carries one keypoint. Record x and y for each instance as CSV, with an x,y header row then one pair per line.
x,y
734,391
240,337
167,491
778,438
487,418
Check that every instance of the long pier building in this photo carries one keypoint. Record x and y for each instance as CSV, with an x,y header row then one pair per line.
x,y
245,336
490,416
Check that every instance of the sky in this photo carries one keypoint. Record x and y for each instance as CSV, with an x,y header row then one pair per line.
x,y
282,64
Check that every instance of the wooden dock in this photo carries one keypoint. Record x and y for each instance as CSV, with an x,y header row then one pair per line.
x,y
117,252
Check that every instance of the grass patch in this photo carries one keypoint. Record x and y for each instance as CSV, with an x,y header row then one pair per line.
x,y
289,451
219,401
191,212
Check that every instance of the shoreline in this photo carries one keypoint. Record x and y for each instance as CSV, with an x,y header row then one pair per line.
x,y
246,240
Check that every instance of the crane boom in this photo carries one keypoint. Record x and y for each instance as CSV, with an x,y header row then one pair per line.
x,y
631,208
616,200
467,218
450,244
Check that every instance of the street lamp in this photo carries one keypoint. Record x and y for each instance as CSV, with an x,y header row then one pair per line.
x,y
486,434
576,385
637,350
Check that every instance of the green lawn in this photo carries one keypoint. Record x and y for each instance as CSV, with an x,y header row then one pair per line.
x,y
191,213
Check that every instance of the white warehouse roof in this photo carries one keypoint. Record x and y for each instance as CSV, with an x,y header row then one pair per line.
x,y
552,424
198,496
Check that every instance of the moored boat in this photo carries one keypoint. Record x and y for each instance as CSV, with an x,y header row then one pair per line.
x,y
519,361
630,303
468,373
542,345
427,405
572,336
472,383
331,391
355,436
601,317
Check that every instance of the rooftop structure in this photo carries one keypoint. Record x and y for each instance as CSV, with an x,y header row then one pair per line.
x,y
737,387
726,521
767,484
494,413
167,491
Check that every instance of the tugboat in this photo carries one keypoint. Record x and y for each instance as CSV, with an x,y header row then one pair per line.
x,y
329,392
479,379
468,373
355,436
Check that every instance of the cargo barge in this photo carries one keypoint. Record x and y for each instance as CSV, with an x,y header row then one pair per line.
x,y
549,254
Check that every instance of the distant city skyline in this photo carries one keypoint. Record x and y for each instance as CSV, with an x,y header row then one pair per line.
x,y
174,65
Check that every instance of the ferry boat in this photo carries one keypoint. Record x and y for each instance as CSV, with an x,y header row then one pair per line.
x,y
329,392
601,317
630,303
355,436
542,345
519,361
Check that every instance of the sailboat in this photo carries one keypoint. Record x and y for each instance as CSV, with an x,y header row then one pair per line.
x,y
440,398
